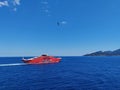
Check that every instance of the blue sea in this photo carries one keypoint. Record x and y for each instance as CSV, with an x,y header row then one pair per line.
x,y
72,73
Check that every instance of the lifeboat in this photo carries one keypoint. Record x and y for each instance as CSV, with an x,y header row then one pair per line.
x,y
43,59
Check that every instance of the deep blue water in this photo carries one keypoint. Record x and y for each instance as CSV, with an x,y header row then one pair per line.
x,y
72,73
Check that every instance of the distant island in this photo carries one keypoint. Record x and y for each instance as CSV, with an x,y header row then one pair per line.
x,y
105,53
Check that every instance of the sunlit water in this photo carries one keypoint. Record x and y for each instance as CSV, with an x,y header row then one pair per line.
x,y
72,73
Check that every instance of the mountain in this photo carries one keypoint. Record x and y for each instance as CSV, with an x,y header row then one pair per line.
x,y
105,53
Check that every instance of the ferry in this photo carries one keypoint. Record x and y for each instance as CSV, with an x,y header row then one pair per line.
x,y
43,59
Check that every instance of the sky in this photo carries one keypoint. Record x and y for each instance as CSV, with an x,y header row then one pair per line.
x,y
58,27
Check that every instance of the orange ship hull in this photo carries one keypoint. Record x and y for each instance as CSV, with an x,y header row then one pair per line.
x,y
42,60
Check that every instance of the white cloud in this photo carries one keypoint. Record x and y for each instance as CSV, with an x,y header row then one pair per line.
x,y
15,9
4,3
64,22
16,2
11,3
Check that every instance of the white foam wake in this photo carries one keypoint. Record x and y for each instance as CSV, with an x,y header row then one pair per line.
x,y
12,64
